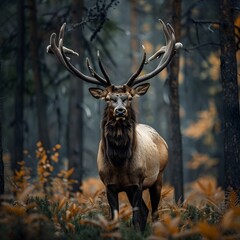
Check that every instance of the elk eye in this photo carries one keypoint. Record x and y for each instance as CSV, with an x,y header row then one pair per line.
x,y
114,100
107,99
124,98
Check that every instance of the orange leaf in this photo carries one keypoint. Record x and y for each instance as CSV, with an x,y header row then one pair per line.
x,y
69,173
209,231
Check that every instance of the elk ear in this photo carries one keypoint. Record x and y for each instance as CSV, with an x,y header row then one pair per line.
x,y
141,89
98,93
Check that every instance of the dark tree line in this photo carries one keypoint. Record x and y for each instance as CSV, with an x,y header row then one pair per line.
x,y
29,43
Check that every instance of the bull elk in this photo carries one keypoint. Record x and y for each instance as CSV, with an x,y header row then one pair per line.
x,y
131,156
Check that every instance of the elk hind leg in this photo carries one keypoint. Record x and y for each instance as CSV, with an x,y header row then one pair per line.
x,y
155,195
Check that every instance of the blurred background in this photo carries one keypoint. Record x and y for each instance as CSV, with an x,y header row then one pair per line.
x,y
43,105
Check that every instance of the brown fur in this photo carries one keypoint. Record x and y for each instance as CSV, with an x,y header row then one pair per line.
x,y
118,138
131,158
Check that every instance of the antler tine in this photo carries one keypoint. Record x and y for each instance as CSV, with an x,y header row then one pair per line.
x,y
102,68
94,73
53,47
136,74
61,36
60,52
167,38
61,32
166,52
56,50
76,72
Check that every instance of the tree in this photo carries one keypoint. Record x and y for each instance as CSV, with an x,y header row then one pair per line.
x,y
37,77
19,90
175,131
75,112
134,43
1,151
231,115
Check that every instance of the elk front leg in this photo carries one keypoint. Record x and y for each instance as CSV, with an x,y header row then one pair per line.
x,y
112,196
140,210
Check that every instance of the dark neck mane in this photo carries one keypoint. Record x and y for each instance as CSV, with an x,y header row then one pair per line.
x,y
118,138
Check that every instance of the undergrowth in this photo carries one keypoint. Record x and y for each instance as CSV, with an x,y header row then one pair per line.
x,y
43,208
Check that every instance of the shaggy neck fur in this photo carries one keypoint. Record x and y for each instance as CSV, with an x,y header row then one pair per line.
x,y
118,137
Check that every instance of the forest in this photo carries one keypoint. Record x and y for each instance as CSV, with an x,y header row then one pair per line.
x,y
50,126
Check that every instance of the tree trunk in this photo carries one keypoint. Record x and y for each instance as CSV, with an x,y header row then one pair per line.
x,y
231,115
43,133
1,150
134,47
175,151
19,91
75,114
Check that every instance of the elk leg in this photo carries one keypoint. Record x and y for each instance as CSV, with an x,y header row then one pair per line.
x,y
140,210
155,195
112,196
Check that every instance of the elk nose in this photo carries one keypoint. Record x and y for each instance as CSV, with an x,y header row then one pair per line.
x,y
120,111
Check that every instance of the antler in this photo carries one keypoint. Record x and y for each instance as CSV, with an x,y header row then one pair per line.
x,y
60,52
167,52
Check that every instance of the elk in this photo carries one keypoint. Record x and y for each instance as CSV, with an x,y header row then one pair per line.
x,y
131,156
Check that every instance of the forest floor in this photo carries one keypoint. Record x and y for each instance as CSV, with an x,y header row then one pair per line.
x,y
43,208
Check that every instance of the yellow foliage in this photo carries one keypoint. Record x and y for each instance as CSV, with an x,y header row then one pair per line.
x,y
39,144
13,210
146,27
207,120
231,219
237,23
163,74
69,210
199,159
148,47
233,200
147,7
211,232
205,191
214,69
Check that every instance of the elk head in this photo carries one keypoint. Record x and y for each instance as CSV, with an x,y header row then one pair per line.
x,y
118,98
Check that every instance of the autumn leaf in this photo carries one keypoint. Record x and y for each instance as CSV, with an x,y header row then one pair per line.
x,y
199,159
62,203
39,144
207,120
15,210
23,196
209,231
231,219
148,47
233,200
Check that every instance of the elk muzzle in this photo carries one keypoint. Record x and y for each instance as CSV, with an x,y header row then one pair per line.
x,y
120,112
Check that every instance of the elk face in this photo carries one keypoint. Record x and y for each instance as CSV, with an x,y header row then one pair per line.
x,y
119,98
